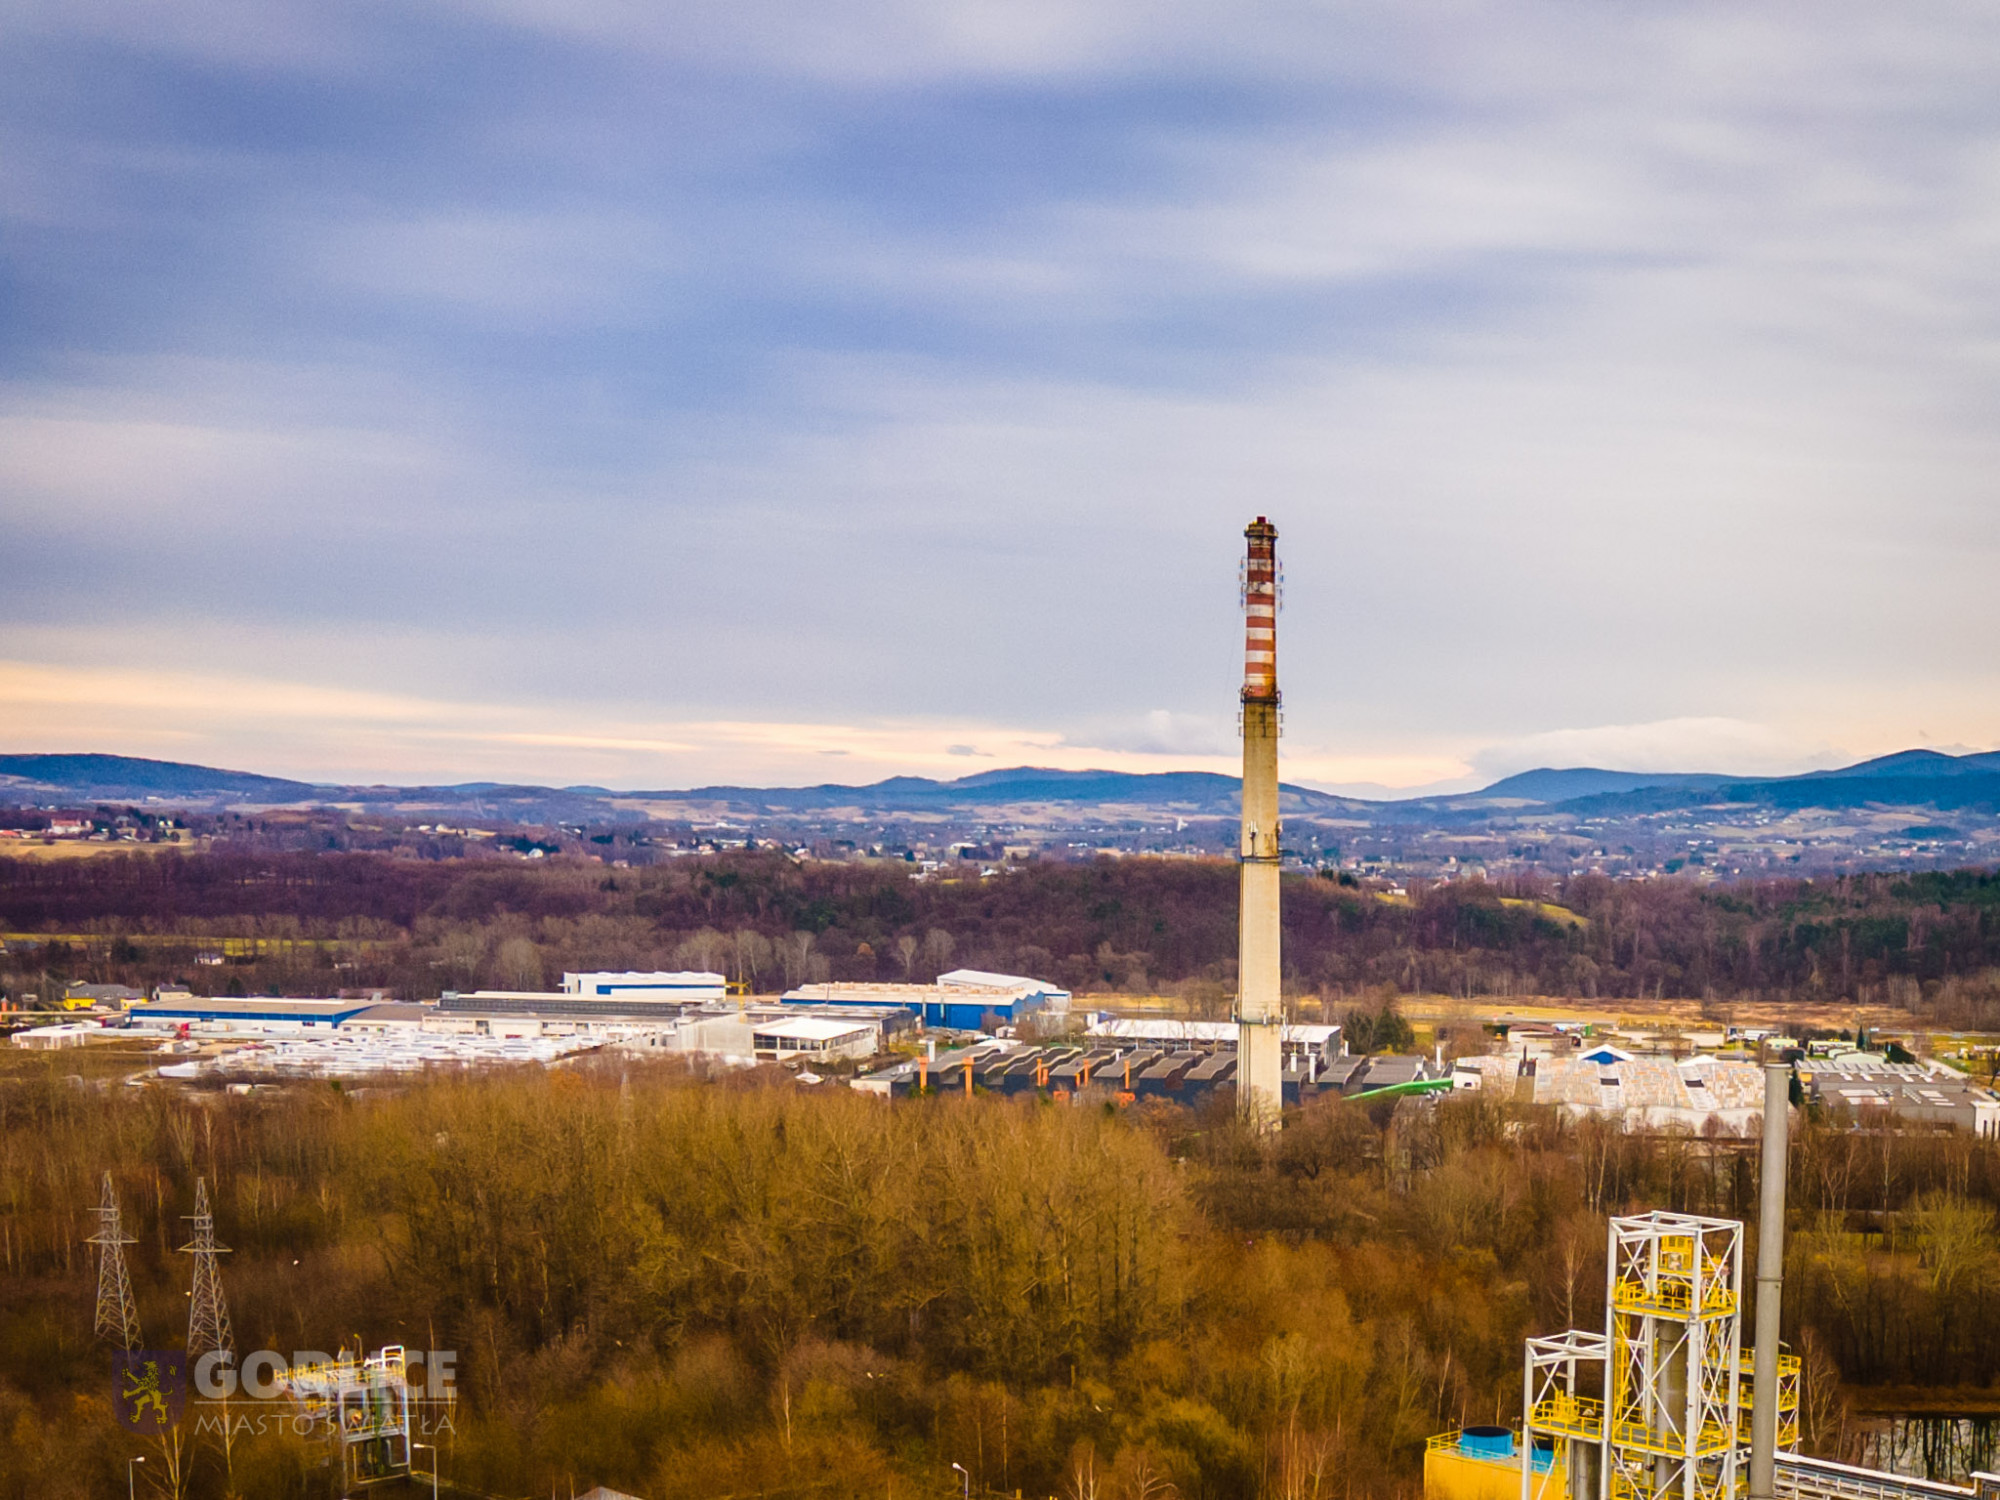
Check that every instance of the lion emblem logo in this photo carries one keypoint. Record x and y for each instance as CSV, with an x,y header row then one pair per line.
x,y
152,1389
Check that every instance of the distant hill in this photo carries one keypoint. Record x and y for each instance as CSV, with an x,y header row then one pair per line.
x,y
1908,776
1911,777
42,778
1587,781
1202,792
1910,765
123,777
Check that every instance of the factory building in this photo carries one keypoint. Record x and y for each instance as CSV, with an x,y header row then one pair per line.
x,y
1381,1070
77,996
637,1005
386,1036
1311,1059
1702,1092
54,1038
1639,1093
981,982
1126,1071
260,1016
390,1018
1296,1040
1921,1093
815,1038
349,1053
719,1028
963,1000
691,984
939,1072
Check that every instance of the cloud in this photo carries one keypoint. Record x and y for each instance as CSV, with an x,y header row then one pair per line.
x,y
1162,732
310,732
1692,744
747,363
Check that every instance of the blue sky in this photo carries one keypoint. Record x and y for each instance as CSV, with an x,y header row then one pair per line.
x,y
652,395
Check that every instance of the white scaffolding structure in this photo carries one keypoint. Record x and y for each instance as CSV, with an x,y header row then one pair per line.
x,y
1554,1406
1673,1419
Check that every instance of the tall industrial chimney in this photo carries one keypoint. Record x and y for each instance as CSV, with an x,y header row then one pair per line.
x,y
1259,1003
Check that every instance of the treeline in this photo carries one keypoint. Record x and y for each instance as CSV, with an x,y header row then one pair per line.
x,y
688,1288
1922,941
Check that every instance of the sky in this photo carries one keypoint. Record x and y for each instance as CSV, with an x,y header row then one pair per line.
x,y
579,391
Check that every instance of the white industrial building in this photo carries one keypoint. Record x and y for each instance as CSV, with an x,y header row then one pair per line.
x,y
687,984
1695,1093
367,1034
51,1038
815,1037
344,1055
1296,1039
1703,1092
724,1029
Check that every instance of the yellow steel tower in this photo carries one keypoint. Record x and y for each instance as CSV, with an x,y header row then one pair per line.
x,y
1675,1287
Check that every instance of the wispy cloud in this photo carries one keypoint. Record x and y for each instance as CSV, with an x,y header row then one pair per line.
x,y
316,733
916,364
1695,744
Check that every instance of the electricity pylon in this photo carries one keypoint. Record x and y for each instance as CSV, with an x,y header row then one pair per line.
x,y
117,1312
208,1309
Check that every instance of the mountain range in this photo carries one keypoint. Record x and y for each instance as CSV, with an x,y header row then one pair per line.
x,y
1910,777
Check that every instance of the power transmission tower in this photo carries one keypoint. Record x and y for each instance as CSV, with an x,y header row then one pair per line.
x,y
208,1309
117,1312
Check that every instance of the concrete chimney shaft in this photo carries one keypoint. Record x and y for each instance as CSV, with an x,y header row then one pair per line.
x,y
1770,1283
1260,1002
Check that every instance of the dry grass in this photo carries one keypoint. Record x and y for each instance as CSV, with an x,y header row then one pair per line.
x,y
1562,916
112,1058
85,849
1683,1014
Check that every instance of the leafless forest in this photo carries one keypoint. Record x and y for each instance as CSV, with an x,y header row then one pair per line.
x,y
1923,942
687,1287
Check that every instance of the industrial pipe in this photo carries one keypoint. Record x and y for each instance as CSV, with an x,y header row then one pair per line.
x,y
1770,1284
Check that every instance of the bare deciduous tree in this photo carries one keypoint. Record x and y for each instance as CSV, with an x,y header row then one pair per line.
x,y
518,964
752,954
795,952
938,946
704,949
